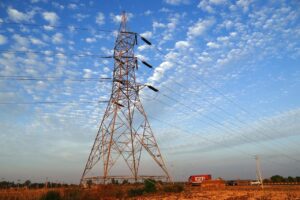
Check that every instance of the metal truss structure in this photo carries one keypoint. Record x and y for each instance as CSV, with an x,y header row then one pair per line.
x,y
258,171
125,130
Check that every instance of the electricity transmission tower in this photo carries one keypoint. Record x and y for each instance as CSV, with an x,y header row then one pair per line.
x,y
258,171
124,131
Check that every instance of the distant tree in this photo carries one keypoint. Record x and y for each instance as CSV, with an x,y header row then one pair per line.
x,y
297,178
266,180
277,179
114,181
89,183
27,183
290,179
125,181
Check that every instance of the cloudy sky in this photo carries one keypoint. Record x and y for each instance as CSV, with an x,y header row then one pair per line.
x,y
228,76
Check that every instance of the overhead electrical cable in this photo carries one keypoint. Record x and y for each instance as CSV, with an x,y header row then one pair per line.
x,y
209,140
70,27
53,53
237,122
213,119
31,78
49,102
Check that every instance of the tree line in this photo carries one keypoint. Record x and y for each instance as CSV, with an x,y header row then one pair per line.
x,y
29,184
281,179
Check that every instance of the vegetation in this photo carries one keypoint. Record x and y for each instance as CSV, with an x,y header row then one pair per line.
x,y
135,192
281,179
51,195
150,186
29,184
173,188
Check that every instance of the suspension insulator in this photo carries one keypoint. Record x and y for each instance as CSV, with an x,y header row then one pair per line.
x,y
136,63
147,64
118,104
120,61
145,40
135,37
152,88
119,81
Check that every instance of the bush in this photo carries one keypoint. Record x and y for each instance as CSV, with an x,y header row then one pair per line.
x,y
72,194
173,188
51,195
149,185
135,192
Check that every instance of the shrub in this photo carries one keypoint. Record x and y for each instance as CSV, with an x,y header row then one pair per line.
x,y
173,188
149,185
135,192
51,195
72,194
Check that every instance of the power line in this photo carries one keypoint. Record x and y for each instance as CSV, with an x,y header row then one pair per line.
x,y
227,129
255,117
236,119
52,53
207,139
50,102
149,43
29,78
70,27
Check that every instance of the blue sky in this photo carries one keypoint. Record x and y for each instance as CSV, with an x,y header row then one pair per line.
x,y
228,74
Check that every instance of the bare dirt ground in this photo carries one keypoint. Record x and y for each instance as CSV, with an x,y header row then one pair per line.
x,y
279,192
283,192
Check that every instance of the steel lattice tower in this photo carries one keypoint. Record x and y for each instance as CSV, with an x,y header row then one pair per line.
x,y
124,130
258,171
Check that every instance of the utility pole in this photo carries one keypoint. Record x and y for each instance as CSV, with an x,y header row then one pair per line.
x,y
124,130
258,171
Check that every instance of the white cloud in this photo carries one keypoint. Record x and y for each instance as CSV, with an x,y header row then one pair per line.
x,y
3,39
90,40
21,41
233,34
118,18
148,12
182,44
199,27
36,41
72,6
87,73
177,2
147,34
79,17
51,17
160,70
18,16
48,28
156,25
100,18
223,38
205,6
217,2
143,47
244,4
106,69
57,38
213,45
